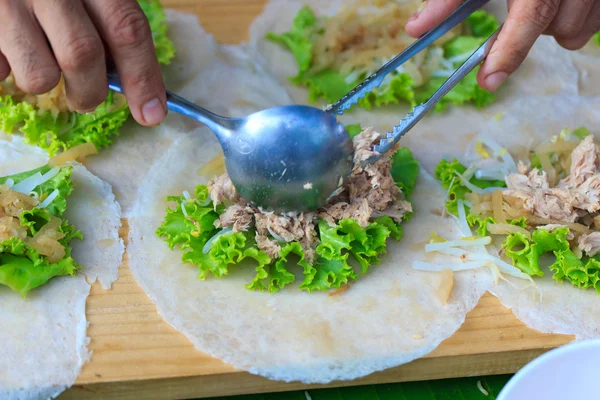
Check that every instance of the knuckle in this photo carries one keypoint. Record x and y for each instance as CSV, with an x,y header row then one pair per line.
x,y
141,80
513,58
39,80
130,27
566,29
542,13
81,53
84,103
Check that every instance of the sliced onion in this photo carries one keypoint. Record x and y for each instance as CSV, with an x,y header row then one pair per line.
x,y
275,236
27,185
502,265
208,245
468,184
491,174
74,153
186,195
437,267
485,240
507,229
51,197
557,147
462,220
184,211
9,182
497,207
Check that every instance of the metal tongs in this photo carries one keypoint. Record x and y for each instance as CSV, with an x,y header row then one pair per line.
x,y
375,80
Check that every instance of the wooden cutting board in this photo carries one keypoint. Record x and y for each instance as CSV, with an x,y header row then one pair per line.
x,y
137,355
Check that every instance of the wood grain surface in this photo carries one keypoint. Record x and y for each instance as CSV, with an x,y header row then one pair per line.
x,y
137,355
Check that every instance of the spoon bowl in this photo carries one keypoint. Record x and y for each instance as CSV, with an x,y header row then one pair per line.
x,y
284,159
289,158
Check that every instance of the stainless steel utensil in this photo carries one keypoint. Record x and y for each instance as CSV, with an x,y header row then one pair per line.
x,y
289,158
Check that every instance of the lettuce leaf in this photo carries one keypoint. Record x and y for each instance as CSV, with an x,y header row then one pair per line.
x,y
346,239
22,268
297,40
399,88
155,12
481,24
56,134
68,129
276,276
61,182
354,130
446,171
226,250
405,170
331,85
597,38
526,254
197,228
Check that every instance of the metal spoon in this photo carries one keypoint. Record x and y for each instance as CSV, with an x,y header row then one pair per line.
x,y
289,158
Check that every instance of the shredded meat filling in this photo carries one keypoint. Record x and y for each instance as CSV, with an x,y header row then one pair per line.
x,y
590,243
575,197
369,193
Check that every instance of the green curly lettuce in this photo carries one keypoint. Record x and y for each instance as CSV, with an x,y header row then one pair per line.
x,y
155,12
59,133
447,173
597,38
215,251
331,85
526,253
22,268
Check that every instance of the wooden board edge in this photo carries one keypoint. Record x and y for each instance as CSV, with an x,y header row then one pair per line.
x,y
237,383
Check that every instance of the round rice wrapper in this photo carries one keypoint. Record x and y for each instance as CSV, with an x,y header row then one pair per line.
x,y
389,317
44,335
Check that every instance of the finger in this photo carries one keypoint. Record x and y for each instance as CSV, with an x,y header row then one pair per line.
x,y
25,48
4,68
570,19
126,31
590,27
526,21
78,51
433,13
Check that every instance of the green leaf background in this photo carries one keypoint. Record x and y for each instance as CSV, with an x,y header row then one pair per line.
x,y
444,389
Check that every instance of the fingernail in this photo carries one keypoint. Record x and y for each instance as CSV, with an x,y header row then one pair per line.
x,y
496,79
414,16
153,112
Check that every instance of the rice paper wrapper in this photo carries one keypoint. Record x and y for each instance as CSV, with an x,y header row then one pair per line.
x,y
44,335
389,317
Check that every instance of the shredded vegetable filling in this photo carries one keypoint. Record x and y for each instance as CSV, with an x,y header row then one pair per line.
x,y
550,204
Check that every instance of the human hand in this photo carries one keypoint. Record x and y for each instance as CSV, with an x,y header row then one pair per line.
x,y
40,39
571,22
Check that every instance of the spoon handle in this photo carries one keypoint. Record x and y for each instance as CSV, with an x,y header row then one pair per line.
x,y
218,124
